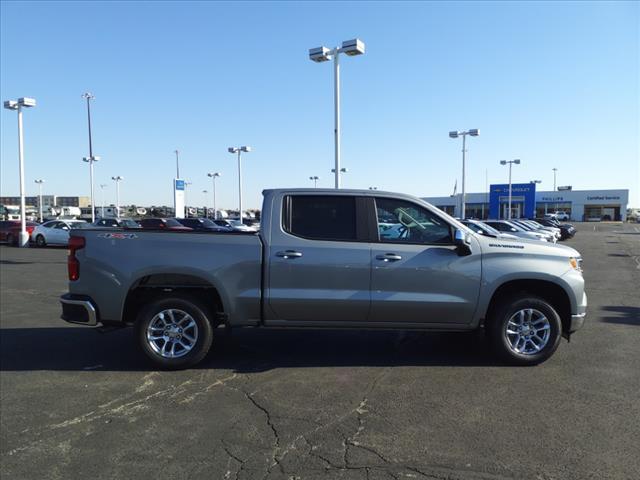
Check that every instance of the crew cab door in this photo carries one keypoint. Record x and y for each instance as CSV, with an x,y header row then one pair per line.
x,y
417,275
319,261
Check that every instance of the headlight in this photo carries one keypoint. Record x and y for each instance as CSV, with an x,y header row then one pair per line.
x,y
576,263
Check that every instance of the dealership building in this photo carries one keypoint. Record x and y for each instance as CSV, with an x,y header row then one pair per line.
x,y
526,202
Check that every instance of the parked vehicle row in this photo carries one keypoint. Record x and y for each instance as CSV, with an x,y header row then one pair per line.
x,y
544,229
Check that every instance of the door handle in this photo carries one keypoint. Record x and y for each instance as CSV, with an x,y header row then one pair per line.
x,y
389,257
289,254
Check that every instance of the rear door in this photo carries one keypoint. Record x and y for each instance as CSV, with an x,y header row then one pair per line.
x,y
318,261
417,275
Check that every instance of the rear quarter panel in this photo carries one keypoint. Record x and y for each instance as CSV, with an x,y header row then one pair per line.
x,y
110,266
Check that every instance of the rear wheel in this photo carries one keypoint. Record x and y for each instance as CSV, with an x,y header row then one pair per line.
x,y
525,330
174,332
40,241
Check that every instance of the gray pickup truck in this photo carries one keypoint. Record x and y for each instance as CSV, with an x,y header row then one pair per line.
x,y
326,259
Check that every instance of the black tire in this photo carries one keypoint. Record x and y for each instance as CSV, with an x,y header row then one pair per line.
x,y
10,240
503,343
40,241
203,333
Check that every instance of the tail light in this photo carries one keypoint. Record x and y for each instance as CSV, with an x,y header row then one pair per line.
x,y
73,265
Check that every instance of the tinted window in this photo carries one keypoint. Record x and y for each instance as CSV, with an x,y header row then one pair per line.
x,y
404,222
80,225
172,222
322,217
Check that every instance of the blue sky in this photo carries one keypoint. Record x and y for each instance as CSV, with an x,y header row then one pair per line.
x,y
554,84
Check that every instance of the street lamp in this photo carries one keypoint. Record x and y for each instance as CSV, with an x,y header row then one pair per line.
x,y
373,188
117,179
205,201
510,162
213,180
40,182
102,187
239,151
23,239
177,152
91,159
342,170
554,178
315,179
323,54
474,132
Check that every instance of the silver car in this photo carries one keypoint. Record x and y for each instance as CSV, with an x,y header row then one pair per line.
x,y
56,232
504,226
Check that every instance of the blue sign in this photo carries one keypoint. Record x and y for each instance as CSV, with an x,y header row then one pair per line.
x,y
522,195
179,184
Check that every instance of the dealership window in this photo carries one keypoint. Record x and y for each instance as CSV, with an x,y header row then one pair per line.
x,y
477,210
448,209
550,207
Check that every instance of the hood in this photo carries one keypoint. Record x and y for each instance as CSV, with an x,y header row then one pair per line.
x,y
524,245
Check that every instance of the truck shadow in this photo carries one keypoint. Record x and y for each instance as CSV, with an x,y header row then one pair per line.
x,y
622,315
243,351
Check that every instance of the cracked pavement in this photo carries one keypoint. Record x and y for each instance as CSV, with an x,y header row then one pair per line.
x,y
278,404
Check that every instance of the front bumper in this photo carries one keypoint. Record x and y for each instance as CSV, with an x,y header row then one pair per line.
x,y
79,309
577,319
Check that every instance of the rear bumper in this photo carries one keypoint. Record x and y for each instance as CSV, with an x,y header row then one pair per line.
x,y
79,309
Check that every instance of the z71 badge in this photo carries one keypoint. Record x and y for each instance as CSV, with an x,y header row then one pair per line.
x,y
118,236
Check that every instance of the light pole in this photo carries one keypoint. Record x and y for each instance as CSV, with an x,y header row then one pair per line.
x,y
40,182
373,188
474,132
323,54
23,239
510,162
213,176
554,178
239,151
117,179
91,159
177,152
342,170
102,187
205,201
314,179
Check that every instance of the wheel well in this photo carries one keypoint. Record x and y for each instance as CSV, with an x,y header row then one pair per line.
x,y
549,291
156,286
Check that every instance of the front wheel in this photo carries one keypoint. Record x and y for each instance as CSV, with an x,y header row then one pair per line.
x,y
40,241
174,332
525,330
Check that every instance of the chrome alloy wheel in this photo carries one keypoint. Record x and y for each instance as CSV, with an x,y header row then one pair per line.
x,y
172,333
528,331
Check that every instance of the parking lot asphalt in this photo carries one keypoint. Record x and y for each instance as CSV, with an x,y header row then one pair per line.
x,y
76,403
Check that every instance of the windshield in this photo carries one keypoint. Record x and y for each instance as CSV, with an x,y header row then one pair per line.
x,y
79,225
172,222
207,223
236,223
129,223
487,228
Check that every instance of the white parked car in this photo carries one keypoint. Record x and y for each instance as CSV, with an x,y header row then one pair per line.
x,y
56,232
504,226
558,215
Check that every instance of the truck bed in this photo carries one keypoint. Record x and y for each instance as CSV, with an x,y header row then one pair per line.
x,y
115,261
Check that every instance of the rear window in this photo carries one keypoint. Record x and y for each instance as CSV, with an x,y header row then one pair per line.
x,y
330,217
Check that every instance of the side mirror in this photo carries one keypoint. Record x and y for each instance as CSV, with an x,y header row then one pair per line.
x,y
65,228
462,242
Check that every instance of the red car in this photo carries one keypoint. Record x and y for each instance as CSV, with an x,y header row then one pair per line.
x,y
10,231
162,224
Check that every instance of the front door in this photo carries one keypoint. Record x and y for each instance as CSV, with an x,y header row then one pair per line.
x,y
417,275
319,261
